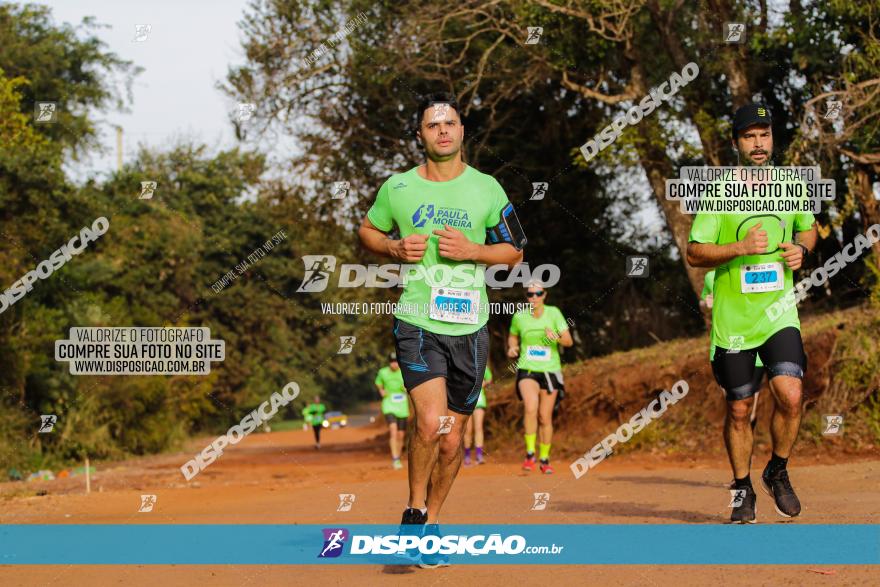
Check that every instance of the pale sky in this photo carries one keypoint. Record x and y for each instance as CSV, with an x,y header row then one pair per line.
x,y
187,52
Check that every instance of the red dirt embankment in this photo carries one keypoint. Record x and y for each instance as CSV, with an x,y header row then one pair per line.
x,y
604,392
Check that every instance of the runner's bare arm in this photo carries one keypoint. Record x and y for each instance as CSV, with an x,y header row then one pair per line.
x,y
411,248
794,253
712,255
381,390
564,338
512,346
808,238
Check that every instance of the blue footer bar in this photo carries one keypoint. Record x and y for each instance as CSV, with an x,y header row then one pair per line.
x,y
565,544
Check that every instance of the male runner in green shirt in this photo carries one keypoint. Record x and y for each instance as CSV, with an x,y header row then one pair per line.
x,y
739,247
395,406
445,210
313,414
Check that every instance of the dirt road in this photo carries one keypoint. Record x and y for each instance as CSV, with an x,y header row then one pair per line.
x,y
280,479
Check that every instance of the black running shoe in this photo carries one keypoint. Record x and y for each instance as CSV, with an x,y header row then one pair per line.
x,y
744,513
413,517
412,524
779,487
435,560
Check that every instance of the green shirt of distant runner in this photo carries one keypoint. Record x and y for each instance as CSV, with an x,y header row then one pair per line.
x,y
389,381
487,379
313,415
395,406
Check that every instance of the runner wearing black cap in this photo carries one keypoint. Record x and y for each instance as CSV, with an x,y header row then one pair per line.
x,y
739,246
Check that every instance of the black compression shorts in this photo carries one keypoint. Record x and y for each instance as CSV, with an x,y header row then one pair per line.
x,y
461,360
782,354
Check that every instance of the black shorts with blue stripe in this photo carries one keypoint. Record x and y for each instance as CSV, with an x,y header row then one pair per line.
x,y
461,360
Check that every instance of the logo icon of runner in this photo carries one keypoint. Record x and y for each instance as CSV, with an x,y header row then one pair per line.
x,y
736,497
340,190
535,33
833,424
47,422
147,189
446,423
440,111
539,188
246,111
735,32
418,220
46,111
346,500
334,538
318,270
637,266
834,108
541,501
346,344
147,503
142,32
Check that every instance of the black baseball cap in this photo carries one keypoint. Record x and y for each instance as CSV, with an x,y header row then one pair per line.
x,y
749,115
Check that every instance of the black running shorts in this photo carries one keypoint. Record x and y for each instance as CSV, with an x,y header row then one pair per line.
x,y
401,422
549,381
461,360
782,354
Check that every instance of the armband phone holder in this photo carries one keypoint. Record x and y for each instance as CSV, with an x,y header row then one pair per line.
x,y
509,230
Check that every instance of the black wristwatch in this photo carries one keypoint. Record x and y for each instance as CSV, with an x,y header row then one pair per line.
x,y
805,249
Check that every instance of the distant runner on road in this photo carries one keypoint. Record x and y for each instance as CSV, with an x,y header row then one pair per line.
x,y
313,414
473,433
395,406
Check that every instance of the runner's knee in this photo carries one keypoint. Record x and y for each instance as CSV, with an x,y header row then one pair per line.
x,y
450,444
427,429
739,413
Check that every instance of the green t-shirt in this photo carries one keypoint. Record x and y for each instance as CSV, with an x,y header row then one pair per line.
x,y
471,203
314,414
536,351
708,288
739,319
487,378
395,401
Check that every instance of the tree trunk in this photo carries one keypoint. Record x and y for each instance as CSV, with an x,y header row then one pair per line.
x,y
695,94
860,185
658,168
